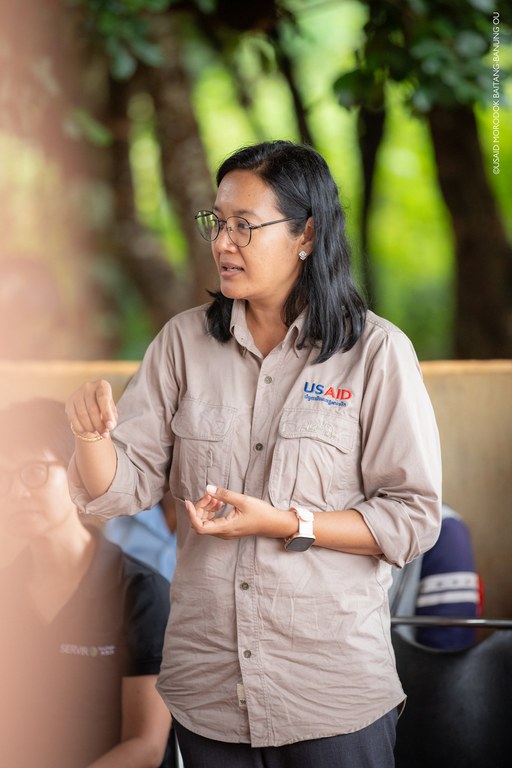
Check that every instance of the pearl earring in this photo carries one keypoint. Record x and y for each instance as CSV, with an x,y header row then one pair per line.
x,y
303,255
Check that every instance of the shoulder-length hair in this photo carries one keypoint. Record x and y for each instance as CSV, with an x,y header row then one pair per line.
x,y
304,187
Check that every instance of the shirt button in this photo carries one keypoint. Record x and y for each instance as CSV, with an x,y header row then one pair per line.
x,y
244,585
268,379
247,654
259,446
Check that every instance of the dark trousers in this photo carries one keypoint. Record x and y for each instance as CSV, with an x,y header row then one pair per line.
x,y
371,747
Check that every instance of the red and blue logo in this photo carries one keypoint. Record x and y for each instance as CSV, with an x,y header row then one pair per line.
x,y
331,395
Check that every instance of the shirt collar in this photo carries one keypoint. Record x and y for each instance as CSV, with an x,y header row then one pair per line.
x,y
242,334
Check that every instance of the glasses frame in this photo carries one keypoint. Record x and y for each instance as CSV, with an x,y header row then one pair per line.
x,y
250,227
19,474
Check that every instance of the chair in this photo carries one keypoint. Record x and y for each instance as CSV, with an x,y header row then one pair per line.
x,y
459,707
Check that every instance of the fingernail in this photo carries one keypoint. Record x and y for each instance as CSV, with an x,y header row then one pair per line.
x,y
110,425
211,489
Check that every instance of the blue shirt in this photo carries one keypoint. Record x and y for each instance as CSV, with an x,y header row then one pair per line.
x,y
147,537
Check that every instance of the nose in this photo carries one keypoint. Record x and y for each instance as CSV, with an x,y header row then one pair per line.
x,y
223,241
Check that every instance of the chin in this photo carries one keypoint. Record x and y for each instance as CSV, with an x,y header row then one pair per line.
x,y
230,292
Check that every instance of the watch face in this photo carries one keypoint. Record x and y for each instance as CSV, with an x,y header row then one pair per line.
x,y
299,543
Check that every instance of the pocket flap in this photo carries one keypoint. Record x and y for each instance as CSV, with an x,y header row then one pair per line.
x,y
328,428
196,420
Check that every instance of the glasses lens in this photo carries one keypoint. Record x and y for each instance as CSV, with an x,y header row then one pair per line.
x,y
208,225
34,475
239,230
5,482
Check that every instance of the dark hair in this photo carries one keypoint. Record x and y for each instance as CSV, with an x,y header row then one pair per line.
x,y
38,425
304,187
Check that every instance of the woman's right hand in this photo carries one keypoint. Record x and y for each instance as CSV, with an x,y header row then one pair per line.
x,y
91,409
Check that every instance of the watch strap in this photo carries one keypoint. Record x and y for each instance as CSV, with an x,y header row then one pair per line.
x,y
304,538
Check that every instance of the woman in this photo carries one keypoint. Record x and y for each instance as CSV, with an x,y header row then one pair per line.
x,y
82,623
301,448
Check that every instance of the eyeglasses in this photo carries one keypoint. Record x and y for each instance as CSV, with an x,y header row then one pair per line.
x,y
33,475
239,230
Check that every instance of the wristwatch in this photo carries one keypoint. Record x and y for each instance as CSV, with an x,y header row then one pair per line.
x,y
305,537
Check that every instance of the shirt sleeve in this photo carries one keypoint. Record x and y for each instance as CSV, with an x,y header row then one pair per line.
x,y
146,612
142,438
401,458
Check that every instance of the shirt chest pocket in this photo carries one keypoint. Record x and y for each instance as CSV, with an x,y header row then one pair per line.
x,y
315,459
202,448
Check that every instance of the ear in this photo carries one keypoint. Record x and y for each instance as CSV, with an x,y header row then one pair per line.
x,y
307,239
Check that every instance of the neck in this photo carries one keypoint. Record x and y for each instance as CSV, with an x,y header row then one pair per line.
x,y
63,551
266,326
60,562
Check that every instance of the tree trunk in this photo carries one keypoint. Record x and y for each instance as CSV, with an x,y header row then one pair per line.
x,y
286,68
370,130
140,254
186,174
483,255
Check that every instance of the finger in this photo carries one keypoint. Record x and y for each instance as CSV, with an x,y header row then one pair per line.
x,y
226,496
213,505
207,507
193,515
101,406
106,404
83,415
213,526
92,409
203,502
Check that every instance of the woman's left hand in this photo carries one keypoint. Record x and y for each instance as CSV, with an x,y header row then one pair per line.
x,y
249,516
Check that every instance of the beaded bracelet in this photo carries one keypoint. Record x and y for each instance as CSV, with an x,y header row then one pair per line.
x,y
94,439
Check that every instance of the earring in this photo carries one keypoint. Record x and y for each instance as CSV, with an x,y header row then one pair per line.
x,y
303,255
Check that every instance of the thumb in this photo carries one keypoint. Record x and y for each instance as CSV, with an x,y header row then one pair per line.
x,y
225,495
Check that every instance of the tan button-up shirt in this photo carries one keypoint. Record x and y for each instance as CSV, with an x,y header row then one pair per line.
x,y
263,645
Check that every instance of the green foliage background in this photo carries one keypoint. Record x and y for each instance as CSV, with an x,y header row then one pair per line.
x,y
410,240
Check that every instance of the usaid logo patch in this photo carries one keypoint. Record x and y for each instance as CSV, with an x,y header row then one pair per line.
x,y
337,396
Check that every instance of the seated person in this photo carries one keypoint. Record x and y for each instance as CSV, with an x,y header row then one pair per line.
x,y
442,582
82,622
149,536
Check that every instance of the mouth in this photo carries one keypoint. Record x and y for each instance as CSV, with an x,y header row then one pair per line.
x,y
230,269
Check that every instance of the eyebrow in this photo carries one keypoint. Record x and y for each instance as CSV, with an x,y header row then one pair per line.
x,y
239,212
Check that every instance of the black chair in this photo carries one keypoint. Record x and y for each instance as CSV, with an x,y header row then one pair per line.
x,y
459,707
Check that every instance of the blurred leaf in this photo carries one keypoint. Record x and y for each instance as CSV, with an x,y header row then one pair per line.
x,y
430,48
123,64
80,123
263,52
487,6
432,66
148,52
44,73
357,87
468,93
470,44
419,6
398,62
422,99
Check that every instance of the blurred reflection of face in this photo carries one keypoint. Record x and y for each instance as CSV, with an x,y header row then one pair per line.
x,y
27,512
